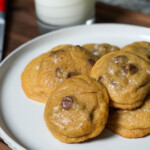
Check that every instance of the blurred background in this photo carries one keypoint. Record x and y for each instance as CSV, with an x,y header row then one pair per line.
x,y
137,5
21,22
21,15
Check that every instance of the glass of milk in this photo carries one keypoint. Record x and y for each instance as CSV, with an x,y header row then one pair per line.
x,y
55,14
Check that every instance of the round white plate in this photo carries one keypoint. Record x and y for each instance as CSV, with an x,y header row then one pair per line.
x,y
21,119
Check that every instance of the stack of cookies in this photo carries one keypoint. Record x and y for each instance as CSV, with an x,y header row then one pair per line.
x,y
130,119
79,83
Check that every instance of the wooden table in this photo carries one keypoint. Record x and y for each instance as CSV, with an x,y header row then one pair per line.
x,y
21,24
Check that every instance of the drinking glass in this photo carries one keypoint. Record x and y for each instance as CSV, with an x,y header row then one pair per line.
x,y
55,14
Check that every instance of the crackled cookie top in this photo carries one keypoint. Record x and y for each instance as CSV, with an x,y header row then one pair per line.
x,y
126,77
141,49
62,64
100,49
131,123
77,109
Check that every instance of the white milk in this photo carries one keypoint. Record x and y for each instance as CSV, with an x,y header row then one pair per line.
x,y
64,12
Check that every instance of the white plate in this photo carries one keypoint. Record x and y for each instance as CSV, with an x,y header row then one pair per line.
x,y
21,119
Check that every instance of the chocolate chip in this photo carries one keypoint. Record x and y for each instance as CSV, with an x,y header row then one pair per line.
x,y
99,79
71,74
148,57
91,61
78,46
128,68
55,52
67,102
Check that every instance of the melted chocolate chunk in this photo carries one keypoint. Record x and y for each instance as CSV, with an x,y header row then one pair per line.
x,y
67,102
99,79
91,61
56,52
71,74
148,57
78,46
129,68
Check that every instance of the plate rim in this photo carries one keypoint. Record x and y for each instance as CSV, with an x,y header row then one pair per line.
x,y
7,139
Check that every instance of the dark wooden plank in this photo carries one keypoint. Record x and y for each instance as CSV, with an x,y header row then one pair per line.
x,y
21,24
4,146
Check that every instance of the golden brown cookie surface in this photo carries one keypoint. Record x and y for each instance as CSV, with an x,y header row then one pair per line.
x,y
141,49
131,123
47,71
100,49
62,64
77,109
29,79
126,77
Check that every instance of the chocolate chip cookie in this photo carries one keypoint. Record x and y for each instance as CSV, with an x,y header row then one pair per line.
x,y
100,49
63,64
47,71
131,123
141,49
77,109
126,77
29,77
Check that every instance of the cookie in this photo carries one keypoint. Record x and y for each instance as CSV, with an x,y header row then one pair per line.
x,y
77,109
29,77
100,49
29,80
131,123
141,49
45,72
62,64
126,77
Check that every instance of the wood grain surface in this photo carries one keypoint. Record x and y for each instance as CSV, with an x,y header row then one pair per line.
x,y
21,24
